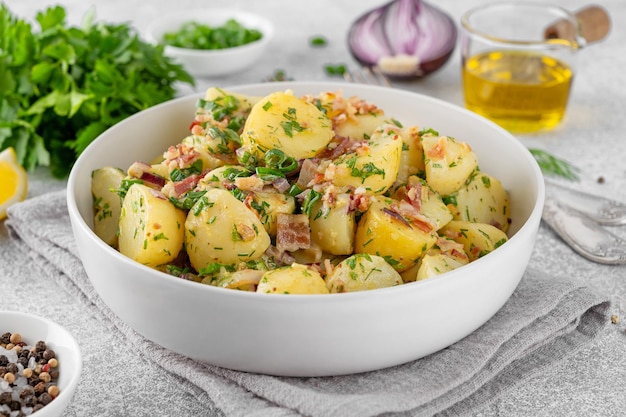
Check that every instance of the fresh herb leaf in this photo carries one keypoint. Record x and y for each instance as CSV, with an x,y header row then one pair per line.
x,y
179,174
279,75
552,165
318,41
187,201
339,69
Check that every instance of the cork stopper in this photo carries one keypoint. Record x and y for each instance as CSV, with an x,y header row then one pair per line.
x,y
594,25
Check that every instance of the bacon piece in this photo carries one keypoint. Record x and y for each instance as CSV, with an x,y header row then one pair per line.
x,y
158,194
396,216
153,180
180,156
142,171
292,232
439,150
177,189
308,171
137,169
414,195
281,185
281,258
453,249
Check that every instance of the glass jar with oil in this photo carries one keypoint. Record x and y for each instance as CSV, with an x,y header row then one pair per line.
x,y
511,73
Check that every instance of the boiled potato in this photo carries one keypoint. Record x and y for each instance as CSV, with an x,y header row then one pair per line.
x,y
412,157
224,102
436,264
269,205
333,227
285,122
293,279
374,167
478,239
352,117
482,199
361,126
419,194
243,280
221,229
217,177
361,272
444,256
448,163
207,147
106,203
384,232
151,227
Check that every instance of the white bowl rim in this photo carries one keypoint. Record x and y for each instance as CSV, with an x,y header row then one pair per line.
x,y
459,273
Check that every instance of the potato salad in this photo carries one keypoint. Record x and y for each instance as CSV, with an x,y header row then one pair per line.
x,y
314,194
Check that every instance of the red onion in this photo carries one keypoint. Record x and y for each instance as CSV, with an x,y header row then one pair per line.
x,y
404,38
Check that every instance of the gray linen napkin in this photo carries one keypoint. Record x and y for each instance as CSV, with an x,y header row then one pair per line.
x,y
546,319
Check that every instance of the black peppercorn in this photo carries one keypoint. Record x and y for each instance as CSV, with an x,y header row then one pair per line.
x,y
30,401
15,405
23,360
4,361
40,346
45,398
48,354
12,368
6,398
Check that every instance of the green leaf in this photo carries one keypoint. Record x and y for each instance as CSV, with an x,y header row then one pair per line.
x,y
42,71
76,100
552,165
60,51
52,17
87,135
44,103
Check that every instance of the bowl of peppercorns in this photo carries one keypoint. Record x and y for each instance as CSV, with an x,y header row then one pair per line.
x,y
40,365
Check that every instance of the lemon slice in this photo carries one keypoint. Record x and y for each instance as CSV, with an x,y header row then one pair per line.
x,y
13,181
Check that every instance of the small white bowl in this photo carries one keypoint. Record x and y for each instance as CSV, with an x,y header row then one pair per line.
x,y
213,62
33,329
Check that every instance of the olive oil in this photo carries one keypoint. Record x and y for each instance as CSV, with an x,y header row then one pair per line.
x,y
520,91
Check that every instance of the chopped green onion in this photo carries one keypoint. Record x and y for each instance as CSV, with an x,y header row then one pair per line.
x,y
275,158
269,174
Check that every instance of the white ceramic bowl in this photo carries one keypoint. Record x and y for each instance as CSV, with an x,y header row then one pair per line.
x,y
34,328
217,62
310,335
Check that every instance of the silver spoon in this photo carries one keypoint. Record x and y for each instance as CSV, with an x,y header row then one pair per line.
x,y
600,209
585,236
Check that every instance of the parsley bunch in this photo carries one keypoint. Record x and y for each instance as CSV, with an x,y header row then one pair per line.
x,y
61,86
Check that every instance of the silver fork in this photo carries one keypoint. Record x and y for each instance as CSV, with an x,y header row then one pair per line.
x,y
577,217
367,75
